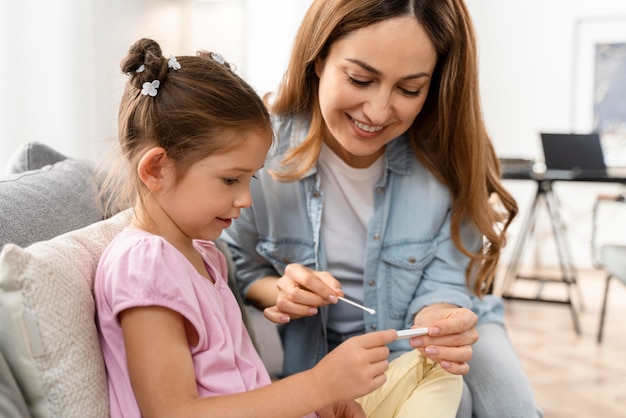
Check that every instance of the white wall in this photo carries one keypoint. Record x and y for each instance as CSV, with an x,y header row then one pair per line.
x,y
527,73
47,66
61,81
61,73
60,78
526,57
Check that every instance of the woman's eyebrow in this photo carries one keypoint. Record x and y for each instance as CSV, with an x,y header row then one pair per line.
x,y
373,70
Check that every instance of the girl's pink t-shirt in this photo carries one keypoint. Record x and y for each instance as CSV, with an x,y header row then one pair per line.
x,y
141,269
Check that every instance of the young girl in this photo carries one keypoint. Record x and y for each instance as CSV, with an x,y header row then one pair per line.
x,y
171,332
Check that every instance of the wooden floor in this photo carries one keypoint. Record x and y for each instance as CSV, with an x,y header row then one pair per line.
x,y
572,375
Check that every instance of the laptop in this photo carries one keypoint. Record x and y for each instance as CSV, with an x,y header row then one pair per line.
x,y
569,156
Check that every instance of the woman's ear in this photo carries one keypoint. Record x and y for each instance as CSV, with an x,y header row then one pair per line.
x,y
152,168
319,66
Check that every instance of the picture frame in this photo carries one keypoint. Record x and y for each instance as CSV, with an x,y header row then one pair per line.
x,y
599,78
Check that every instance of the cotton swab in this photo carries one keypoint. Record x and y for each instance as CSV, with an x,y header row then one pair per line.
x,y
365,308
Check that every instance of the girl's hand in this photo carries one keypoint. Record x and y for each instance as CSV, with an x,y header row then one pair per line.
x,y
300,292
451,336
356,367
342,409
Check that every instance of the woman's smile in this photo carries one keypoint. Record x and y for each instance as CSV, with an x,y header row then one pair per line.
x,y
365,127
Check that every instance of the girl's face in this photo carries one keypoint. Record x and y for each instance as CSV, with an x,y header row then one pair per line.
x,y
215,189
372,85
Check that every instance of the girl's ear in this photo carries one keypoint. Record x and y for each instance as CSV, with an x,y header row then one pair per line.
x,y
152,168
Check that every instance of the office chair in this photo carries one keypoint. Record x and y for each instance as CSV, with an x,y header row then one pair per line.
x,y
608,256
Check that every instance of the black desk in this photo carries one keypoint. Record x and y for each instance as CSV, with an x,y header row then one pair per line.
x,y
545,195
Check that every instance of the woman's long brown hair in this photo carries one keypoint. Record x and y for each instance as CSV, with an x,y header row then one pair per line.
x,y
448,136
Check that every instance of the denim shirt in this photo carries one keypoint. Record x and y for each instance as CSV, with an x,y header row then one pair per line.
x,y
411,259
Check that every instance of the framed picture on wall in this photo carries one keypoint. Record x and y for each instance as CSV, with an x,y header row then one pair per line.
x,y
599,84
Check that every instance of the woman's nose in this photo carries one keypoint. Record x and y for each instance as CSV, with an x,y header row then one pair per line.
x,y
378,107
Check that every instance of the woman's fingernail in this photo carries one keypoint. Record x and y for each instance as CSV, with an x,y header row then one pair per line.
x,y
434,331
285,319
445,364
332,299
312,311
431,351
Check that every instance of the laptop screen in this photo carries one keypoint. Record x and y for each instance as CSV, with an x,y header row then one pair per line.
x,y
573,152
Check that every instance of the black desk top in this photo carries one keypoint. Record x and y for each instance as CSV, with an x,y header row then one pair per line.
x,y
616,175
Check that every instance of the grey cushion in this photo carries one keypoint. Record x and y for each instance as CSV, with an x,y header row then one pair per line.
x,y
32,156
38,205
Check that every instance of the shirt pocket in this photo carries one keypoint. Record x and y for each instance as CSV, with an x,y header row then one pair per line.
x,y
285,251
403,264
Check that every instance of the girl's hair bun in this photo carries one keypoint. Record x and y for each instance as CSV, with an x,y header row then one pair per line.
x,y
144,63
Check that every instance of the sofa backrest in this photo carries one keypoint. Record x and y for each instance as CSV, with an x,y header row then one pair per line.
x,y
43,202
43,194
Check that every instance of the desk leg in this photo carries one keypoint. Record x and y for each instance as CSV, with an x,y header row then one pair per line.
x,y
568,271
566,260
525,231
566,263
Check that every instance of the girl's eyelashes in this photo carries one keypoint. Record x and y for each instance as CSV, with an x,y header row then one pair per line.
x,y
231,181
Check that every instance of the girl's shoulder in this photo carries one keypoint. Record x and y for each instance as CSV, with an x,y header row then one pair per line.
x,y
135,246
143,246
131,237
136,243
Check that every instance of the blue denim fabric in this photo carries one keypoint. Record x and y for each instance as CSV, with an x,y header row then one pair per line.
x,y
412,261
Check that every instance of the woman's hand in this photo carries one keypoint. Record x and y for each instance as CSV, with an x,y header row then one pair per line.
x,y
452,332
342,409
300,292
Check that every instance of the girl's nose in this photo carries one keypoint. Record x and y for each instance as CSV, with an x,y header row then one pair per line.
x,y
244,199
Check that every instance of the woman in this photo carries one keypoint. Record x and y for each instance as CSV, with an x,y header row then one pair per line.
x,y
384,187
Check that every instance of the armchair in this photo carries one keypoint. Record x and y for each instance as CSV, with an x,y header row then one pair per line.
x,y
607,255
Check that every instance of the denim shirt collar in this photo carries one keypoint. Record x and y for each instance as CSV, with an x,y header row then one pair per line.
x,y
398,152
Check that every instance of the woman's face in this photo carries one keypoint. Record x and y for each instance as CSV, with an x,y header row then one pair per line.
x,y
373,83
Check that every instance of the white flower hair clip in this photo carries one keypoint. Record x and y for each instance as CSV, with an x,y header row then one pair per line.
x,y
150,89
218,58
173,63
140,69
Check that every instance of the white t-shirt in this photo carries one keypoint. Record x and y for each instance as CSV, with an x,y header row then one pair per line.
x,y
348,208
